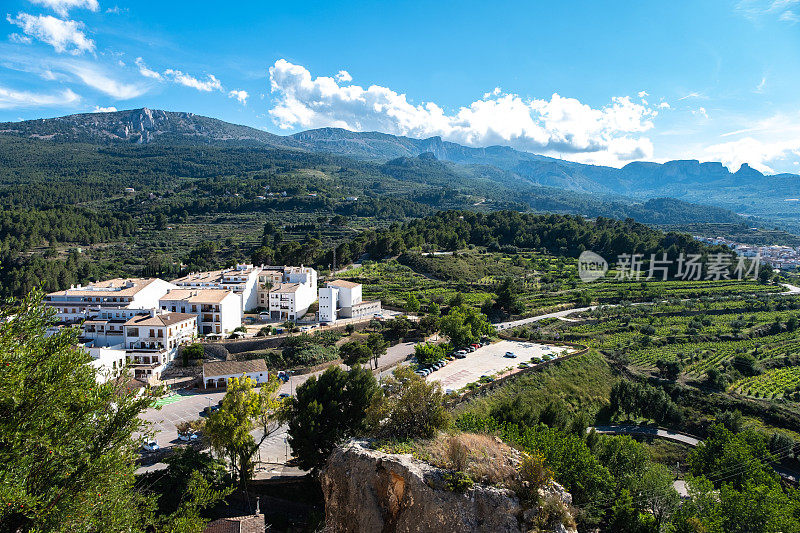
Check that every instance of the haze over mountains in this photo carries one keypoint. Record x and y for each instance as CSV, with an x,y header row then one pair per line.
x,y
746,191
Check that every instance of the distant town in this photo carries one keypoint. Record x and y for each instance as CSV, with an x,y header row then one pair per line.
x,y
785,257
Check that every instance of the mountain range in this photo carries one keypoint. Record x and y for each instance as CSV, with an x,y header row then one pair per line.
x,y
745,192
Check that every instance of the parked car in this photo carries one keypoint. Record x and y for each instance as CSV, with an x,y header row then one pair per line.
x,y
475,345
470,349
524,365
188,437
284,395
461,355
210,409
150,445
449,391
510,355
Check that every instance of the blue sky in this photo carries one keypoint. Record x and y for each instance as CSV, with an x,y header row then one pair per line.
x,y
597,82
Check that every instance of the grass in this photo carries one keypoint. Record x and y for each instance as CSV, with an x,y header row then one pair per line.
x,y
583,383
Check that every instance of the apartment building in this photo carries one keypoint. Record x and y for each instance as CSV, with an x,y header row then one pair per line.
x,y
287,292
152,340
148,341
343,299
218,311
243,279
81,302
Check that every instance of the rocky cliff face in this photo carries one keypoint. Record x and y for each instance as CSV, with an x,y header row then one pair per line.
x,y
370,491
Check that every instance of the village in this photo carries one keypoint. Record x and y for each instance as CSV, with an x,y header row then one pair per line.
x,y
142,322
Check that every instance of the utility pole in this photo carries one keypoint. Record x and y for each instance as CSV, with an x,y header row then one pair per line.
x,y
334,262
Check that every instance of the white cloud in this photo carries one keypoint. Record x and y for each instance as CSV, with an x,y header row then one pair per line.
x,y
239,95
97,79
19,38
109,109
343,76
211,83
700,112
62,7
11,99
643,94
758,154
756,10
560,126
691,95
664,105
63,35
761,85
146,72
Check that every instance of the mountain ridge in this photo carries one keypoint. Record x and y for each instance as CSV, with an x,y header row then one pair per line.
x,y
746,191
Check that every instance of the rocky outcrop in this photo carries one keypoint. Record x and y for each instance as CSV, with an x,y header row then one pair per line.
x,y
369,491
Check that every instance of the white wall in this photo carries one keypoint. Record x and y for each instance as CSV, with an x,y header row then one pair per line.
x,y
328,298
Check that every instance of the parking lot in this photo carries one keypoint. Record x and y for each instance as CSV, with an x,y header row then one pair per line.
x,y
489,360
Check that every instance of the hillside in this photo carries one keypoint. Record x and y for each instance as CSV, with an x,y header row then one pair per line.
x,y
544,183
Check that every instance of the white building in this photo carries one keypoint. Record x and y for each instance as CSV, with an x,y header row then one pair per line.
x,y
242,280
152,340
342,299
287,292
217,373
218,311
78,303
328,304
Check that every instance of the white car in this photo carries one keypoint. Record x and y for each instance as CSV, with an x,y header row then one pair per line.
x,y
150,445
188,437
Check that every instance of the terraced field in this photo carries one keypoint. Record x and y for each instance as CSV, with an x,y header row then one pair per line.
x,y
776,383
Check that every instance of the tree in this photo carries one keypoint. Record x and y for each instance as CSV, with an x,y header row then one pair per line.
x,y
669,369
66,441
465,325
377,346
245,408
429,353
407,407
355,353
360,351
191,352
412,303
183,488
326,410
508,297
428,324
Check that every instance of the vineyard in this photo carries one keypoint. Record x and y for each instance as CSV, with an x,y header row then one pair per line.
x,y
780,382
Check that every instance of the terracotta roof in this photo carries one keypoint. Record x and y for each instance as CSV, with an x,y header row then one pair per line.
x,y
343,283
286,288
239,524
111,287
200,296
214,276
162,319
223,368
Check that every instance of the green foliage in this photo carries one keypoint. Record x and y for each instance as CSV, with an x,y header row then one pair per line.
x,y
173,484
735,459
407,407
465,325
326,410
457,482
429,353
66,442
192,352
245,407
641,400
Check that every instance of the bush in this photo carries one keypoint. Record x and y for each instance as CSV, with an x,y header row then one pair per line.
x,y
407,407
457,482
